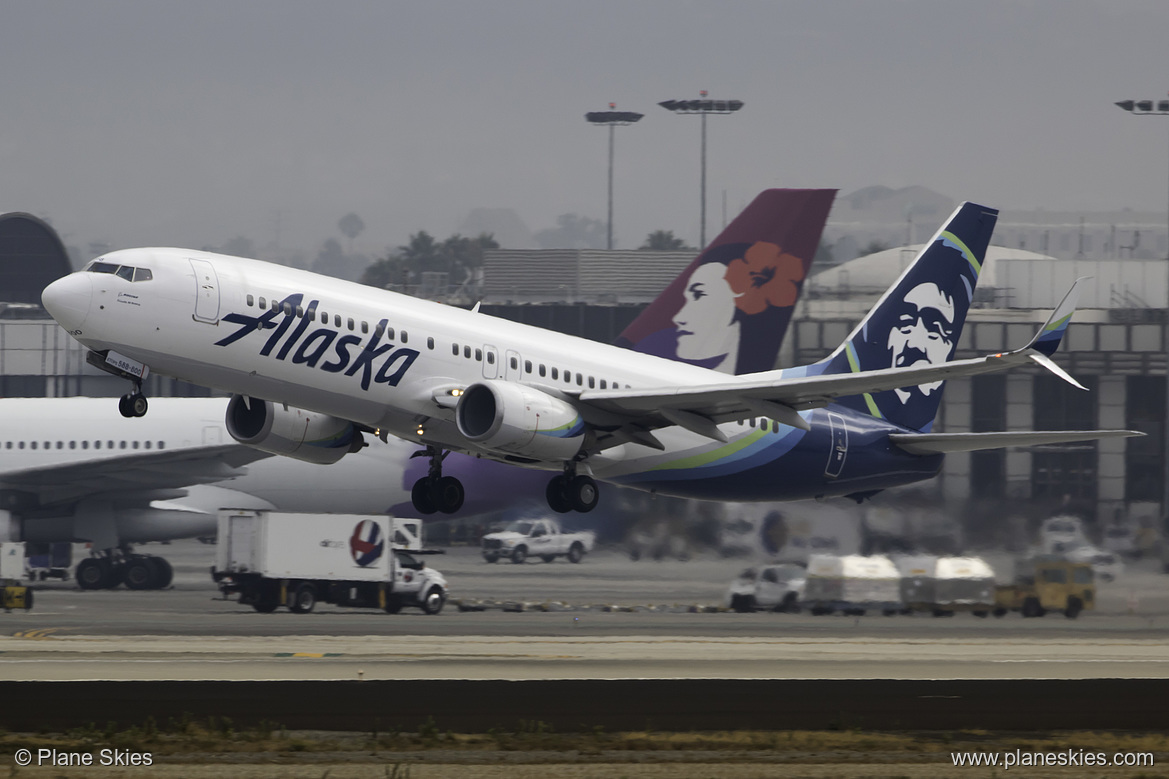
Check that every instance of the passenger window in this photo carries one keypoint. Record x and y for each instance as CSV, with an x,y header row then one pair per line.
x,y
324,318
337,321
405,338
527,366
251,301
390,333
491,358
579,380
143,274
592,383
603,384
147,444
541,369
365,327
287,308
455,349
60,444
478,355
275,304
20,445
429,342
514,363
351,323
300,311
85,444
126,272
72,444
568,376
121,444
555,375
467,352
134,445
263,303
161,444
33,444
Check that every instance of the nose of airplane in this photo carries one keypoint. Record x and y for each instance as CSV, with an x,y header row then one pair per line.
x,y
67,300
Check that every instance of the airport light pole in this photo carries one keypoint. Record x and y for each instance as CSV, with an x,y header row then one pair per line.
x,y
702,108
1159,108
611,119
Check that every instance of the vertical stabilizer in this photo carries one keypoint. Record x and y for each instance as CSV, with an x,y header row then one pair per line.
x,y
730,308
919,319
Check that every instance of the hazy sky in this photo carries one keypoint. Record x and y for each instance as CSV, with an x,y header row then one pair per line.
x,y
189,123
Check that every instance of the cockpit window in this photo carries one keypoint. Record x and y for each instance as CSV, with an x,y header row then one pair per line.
x,y
127,272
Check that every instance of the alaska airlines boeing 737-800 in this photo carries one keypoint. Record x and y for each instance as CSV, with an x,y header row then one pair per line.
x,y
314,362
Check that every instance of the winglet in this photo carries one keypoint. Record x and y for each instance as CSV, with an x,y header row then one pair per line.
x,y
1047,340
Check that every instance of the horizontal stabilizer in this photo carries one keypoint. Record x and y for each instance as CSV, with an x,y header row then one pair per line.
x,y
941,443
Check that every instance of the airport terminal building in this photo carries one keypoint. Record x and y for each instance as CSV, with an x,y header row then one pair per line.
x,y
1115,347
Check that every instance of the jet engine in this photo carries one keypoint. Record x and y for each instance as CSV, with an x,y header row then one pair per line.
x,y
514,419
292,432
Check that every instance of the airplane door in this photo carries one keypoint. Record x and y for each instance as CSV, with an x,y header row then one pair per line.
x,y
206,292
839,448
511,369
490,362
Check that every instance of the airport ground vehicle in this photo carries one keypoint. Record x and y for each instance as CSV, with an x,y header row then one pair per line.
x,y
1047,583
945,585
852,584
13,594
771,588
272,559
541,538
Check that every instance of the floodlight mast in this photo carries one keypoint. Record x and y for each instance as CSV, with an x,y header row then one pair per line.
x,y
611,119
1159,108
702,107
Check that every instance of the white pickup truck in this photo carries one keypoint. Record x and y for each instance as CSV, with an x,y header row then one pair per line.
x,y
541,538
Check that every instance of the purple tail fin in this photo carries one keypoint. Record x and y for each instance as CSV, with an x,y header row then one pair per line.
x,y
730,308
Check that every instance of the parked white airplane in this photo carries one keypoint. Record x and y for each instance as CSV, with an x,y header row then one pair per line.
x,y
367,360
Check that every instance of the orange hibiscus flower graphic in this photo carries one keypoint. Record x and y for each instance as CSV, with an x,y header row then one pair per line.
x,y
765,276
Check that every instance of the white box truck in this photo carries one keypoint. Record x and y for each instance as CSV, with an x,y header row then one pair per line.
x,y
273,559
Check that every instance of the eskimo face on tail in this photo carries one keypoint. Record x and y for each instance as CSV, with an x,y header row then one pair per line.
x,y
727,298
924,333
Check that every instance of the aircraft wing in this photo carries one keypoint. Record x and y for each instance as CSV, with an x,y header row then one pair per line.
x,y
942,443
154,470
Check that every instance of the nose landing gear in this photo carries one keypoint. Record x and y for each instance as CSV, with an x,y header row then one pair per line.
x,y
435,492
133,404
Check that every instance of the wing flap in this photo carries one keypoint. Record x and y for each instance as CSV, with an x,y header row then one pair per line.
x,y
943,443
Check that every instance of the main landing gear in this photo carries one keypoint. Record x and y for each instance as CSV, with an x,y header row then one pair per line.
x,y
137,571
133,404
435,492
572,492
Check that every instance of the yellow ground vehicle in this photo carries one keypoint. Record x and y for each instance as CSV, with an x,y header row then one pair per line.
x,y
16,596
1048,584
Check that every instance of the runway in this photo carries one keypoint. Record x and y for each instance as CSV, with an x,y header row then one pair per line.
x,y
189,632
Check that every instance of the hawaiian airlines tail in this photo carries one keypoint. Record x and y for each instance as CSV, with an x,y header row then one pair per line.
x,y
918,321
730,308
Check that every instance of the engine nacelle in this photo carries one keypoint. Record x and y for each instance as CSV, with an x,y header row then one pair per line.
x,y
514,419
291,432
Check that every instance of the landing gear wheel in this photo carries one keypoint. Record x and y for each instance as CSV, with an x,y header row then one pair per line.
x,y
93,574
138,404
447,494
124,406
423,496
583,494
556,493
304,597
141,573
